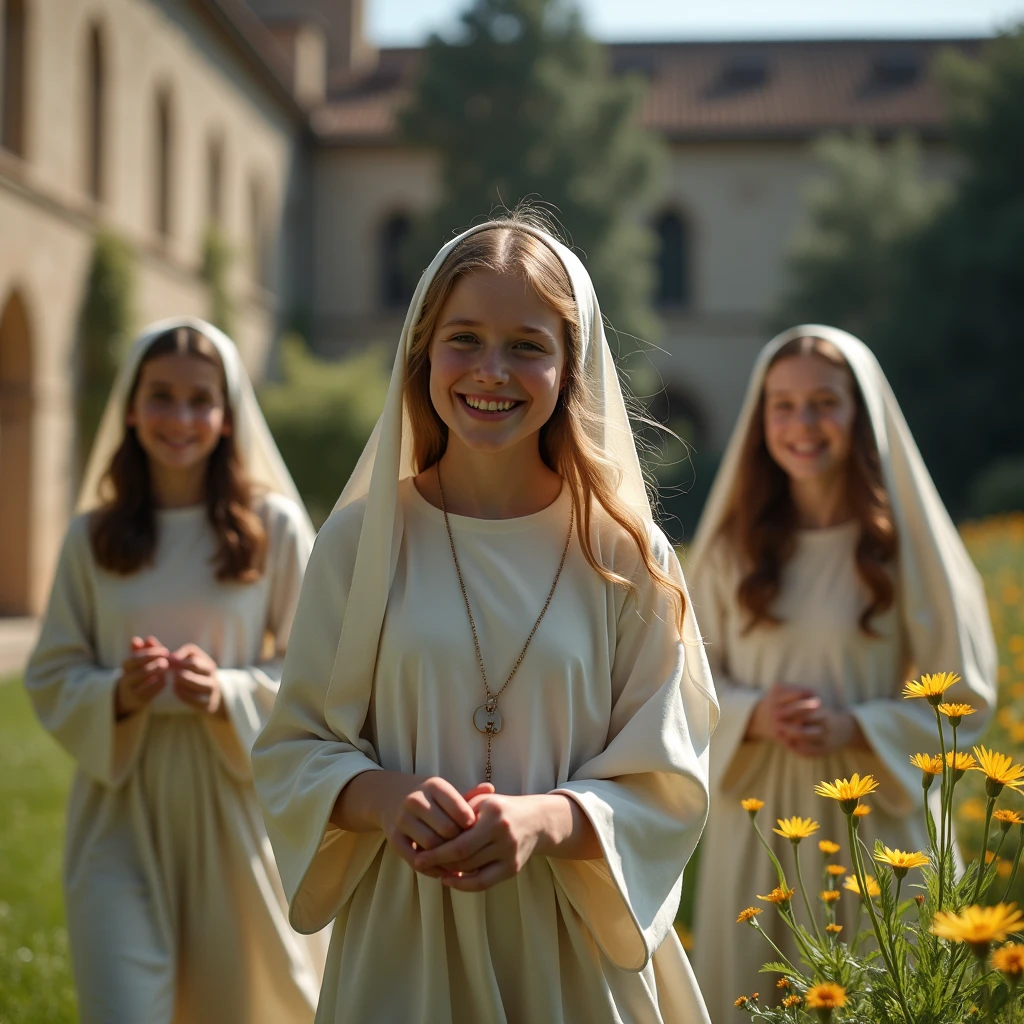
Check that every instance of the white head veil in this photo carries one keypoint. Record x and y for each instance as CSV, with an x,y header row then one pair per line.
x,y
942,596
263,463
387,458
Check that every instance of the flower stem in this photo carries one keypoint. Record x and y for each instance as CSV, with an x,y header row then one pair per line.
x,y
1016,862
782,956
946,778
984,848
803,891
775,860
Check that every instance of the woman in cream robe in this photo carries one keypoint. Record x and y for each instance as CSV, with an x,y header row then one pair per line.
x,y
938,621
174,904
611,707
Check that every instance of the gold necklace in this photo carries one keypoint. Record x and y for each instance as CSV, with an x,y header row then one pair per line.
x,y
487,718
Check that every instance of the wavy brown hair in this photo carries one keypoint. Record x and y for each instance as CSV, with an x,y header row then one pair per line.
x,y
124,529
761,522
566,444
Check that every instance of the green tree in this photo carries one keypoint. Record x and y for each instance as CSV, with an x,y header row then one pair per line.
x,y
104,328
953,346
848,259
522,107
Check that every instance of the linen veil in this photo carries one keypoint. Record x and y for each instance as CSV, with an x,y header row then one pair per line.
x,y
263,463
387,458
942,598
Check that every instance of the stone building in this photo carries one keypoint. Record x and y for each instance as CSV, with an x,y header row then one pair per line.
x,y
275,120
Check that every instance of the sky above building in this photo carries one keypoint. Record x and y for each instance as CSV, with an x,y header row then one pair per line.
x,y
409,22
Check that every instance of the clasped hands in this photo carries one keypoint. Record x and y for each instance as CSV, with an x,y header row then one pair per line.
x,y
795,717
143,676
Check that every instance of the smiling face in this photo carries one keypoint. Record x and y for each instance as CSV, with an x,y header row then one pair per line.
x,y
179,411
809,412
497,357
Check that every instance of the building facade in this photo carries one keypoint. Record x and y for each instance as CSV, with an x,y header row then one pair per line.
x,y
275,121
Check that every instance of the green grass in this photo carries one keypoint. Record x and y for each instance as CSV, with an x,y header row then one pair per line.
x,y
35,972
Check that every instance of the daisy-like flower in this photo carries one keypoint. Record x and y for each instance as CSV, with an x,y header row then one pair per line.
x,y
930,765
872,884
955,712
931,687
978,926
999,769
830,895
835,870
1009,960
742,1001
1007,818
751,805
783,983
827,847
962,763
778,896
847,791
826,996
861,811
833,929
901,862
790,1001
795,828
748,915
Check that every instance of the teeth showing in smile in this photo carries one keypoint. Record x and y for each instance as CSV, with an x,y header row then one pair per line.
x,y
488,406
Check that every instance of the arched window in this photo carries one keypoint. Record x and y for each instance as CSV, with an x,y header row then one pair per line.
x,y
163,154
215,180
95,115
395,287
259,232
12,97
673,262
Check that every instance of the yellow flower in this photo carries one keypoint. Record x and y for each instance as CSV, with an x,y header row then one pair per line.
x,y
1009,960
872,884
835,870
834,929
919,900
1000,769
791,1001
901,862
748,915
928,763
861,811
827,847
964,761
978,926
847,791
972,809
826,996
778,895
931,687
795,828
742,1001
1007,818
783,983
751,805
956,711
830,895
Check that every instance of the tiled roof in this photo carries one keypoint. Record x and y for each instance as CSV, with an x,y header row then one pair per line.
x,y
708,91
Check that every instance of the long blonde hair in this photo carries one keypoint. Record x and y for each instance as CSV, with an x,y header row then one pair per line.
x,y
566,444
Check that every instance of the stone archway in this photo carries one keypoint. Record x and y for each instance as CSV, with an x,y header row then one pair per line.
x,y
15,457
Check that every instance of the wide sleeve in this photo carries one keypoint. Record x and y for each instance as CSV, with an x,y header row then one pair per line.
x,y
646,793
249,691
72,693
300,765
713,585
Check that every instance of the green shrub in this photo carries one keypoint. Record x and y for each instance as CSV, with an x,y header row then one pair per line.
x,y
321,413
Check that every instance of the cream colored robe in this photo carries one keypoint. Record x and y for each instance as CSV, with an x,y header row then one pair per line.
x,y
818,645
174,904
597,711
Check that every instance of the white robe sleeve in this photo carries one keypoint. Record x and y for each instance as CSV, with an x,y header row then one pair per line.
x,y
300,765
72,694
646,793
249,691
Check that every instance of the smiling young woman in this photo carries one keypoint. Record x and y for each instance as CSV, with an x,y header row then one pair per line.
x,y
826,572
487,763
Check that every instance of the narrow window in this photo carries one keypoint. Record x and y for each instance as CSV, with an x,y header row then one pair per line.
x,y
396,288
215,181
673,269
259,232
95,116
164,143
12,99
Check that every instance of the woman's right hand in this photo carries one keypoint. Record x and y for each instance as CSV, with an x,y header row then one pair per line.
x,y
779,709
415,812
142,676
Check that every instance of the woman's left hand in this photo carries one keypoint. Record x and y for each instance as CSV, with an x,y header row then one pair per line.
x,y
507,831
823,731
195,680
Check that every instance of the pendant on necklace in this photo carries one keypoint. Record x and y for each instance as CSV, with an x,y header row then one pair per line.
x,y
487,719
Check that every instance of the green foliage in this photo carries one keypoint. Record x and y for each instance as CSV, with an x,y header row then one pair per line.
x,y
321,414
848,260
521,107
104,328
217,259
35,975
998,488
